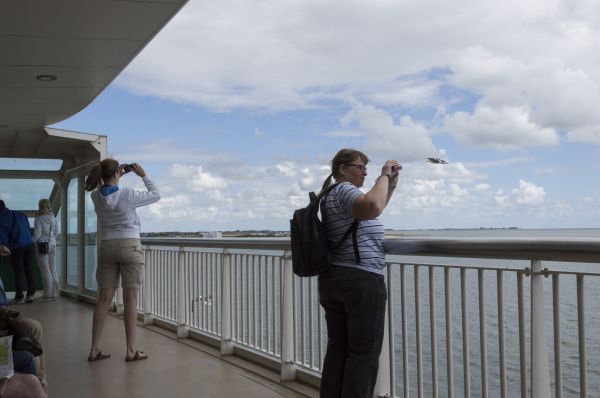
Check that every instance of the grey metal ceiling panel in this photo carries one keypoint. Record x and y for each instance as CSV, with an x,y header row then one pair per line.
x,y
84,43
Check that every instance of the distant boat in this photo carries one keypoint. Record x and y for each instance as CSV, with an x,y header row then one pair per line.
x,y
436,161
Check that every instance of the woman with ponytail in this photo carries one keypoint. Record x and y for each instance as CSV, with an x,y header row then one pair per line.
x,y
119,249
353,292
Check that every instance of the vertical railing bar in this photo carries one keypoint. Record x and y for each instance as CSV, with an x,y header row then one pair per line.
x,y
255,318
391,350
273,295
522,336
449,364
310,322
268,299
403,305
482,334
236,292
207,295
200,259
212,296
556,322
501,341
320,336
202,290
193,264
302,320
418,333
260,304
581,328
247,295
432,330
465,333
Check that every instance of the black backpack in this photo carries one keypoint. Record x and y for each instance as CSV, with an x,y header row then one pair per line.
x,y
311,254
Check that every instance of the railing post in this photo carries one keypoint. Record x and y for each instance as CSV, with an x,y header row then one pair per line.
x,y
182,328
540,373
227,344
383,385
288,363
147,287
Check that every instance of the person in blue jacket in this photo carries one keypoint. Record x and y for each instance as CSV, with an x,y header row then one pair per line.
x,y
15,233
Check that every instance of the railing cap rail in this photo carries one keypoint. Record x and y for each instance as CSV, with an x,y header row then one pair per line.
x,y
550,249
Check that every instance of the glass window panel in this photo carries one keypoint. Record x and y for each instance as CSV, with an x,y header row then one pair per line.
x,y
72,238
90,243
24,194
30,164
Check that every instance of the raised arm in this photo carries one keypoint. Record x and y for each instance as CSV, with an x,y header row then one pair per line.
x,y
141,198
371,204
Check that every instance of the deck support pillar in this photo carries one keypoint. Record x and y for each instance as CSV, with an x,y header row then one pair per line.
x,y
540,373
288,363
227,345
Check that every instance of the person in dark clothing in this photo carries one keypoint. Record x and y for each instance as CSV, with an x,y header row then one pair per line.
x,y
15,233
353,291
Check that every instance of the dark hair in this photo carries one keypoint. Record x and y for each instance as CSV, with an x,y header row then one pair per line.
x,y
2,205
344,156
102,172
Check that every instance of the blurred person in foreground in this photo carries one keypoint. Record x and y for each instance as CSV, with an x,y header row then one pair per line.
x,y
119,250
353,291
44,235
15,233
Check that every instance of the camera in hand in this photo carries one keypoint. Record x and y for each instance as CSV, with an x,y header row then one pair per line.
x,y
396,169
127,168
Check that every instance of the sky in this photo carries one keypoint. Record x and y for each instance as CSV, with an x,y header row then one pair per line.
x,y
236,109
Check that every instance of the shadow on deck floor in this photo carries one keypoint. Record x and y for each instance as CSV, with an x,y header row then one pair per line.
x,y
173,369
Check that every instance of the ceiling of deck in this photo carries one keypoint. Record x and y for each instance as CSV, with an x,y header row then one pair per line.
x,y
85,44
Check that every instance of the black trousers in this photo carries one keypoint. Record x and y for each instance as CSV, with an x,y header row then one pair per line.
x,y
354,301
21,261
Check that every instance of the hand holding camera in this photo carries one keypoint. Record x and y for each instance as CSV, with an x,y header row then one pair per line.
x,y
136,168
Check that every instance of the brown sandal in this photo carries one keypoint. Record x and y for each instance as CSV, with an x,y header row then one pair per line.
x,y
139,355
99,356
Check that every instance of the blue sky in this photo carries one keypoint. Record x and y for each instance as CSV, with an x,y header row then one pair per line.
x,y
236,109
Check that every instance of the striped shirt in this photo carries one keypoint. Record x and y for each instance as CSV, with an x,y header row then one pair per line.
x,y
336,208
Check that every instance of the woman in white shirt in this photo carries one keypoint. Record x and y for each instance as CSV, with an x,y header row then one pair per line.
x,y
119,248
44,231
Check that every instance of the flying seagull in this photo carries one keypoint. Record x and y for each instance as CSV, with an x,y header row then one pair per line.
x,y
436,161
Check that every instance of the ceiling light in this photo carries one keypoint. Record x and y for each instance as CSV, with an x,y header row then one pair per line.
x,y
46,78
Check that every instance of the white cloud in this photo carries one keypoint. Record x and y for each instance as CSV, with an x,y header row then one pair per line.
x,y
195,178
404,141
502,128
482,187
528,194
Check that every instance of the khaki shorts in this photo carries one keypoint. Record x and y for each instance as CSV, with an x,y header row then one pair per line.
x,y
120,257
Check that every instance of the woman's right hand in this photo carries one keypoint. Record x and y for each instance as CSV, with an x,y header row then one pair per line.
x,y
137,169
389,168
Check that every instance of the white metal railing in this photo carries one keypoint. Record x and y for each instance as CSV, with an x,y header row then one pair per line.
x,y
454,328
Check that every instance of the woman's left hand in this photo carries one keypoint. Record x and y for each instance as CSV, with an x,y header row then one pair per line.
x,y
137,169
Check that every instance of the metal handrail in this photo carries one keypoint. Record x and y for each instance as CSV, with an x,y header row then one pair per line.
x,y
547,249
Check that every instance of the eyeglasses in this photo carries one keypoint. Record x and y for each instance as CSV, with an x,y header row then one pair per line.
x,y
362,167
